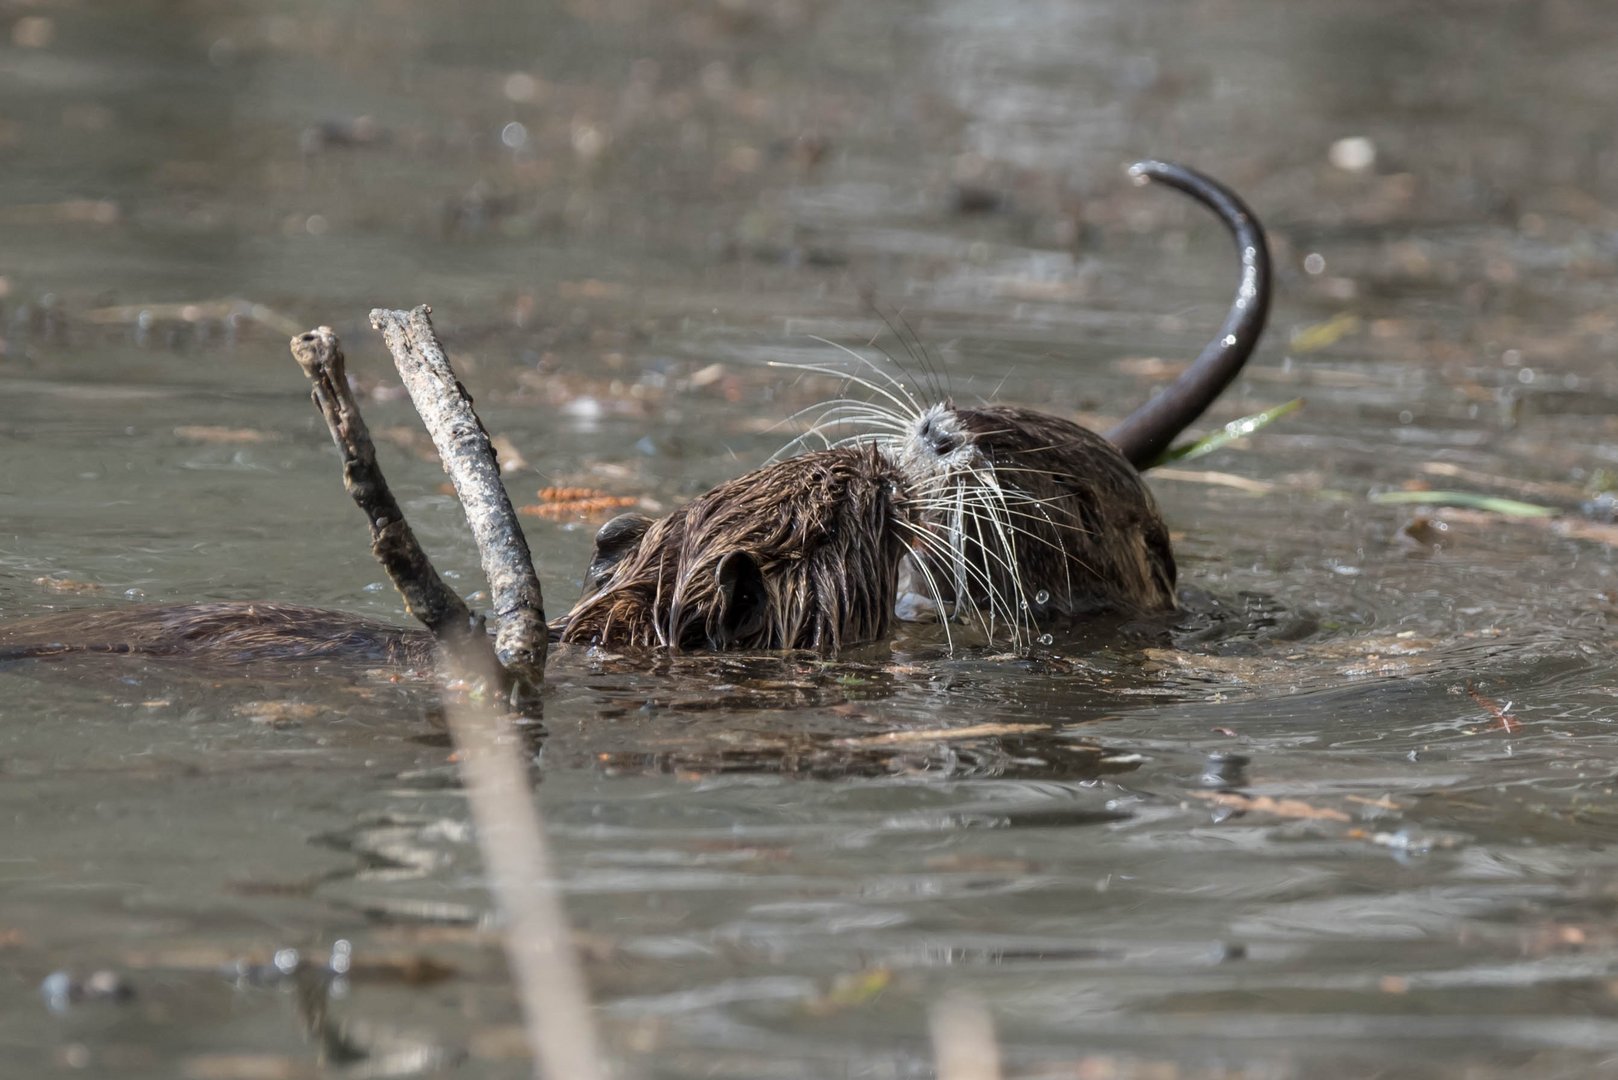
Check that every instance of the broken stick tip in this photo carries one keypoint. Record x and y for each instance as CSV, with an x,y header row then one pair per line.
x,y
382,316
315,348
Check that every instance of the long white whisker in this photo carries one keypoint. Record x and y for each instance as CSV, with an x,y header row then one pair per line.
x,y
963,597
844,417
896,383
899,404
854,405
998,506
842,412
944,618
971,572
1004,552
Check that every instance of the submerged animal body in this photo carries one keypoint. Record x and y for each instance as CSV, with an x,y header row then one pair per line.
x,y
802,553
219,633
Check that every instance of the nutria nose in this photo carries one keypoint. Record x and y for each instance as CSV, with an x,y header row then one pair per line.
x,y
941,442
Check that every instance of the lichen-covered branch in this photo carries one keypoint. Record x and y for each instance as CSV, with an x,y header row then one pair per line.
x,y
434,603
469,459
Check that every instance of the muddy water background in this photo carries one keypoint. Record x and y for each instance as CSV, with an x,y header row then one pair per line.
x,y
777,867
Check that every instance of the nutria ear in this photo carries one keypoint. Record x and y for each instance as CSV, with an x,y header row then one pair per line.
x,y
614,540
743,601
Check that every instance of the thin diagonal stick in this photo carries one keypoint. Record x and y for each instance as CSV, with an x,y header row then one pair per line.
x,y
464,448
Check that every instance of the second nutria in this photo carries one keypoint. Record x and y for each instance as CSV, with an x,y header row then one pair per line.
x,y
1030,516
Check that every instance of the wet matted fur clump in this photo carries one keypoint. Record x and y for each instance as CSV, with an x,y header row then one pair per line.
x,y
802,553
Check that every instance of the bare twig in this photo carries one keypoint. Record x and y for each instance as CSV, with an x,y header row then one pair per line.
x,y
469,459
426,596
511,837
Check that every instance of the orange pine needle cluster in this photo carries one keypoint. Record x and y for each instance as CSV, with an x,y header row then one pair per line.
x,y
556,503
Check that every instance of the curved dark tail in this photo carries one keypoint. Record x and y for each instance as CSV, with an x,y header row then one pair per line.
x,y
1146,433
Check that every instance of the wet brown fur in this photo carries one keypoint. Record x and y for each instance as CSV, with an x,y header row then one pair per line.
x,y
800,554
1079,531
1056,520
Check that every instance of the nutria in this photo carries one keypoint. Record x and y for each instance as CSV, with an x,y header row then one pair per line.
x,y
802,553
1032,517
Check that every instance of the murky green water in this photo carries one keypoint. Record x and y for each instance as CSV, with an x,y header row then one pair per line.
x,y
777,867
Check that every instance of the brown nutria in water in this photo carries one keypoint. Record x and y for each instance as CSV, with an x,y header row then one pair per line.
x,y
224,632
1032,517
1022,515
1016,513
799,554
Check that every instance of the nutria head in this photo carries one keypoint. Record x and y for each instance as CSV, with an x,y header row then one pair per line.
x,y
1030,517
800,554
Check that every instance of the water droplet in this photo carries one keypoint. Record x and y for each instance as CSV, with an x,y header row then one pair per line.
x,y
1046,639
1043,596
342,956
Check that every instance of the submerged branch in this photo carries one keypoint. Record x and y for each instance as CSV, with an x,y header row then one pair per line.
x,y
463,445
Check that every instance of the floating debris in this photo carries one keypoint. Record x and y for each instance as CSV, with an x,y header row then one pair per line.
x,y
1492,503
